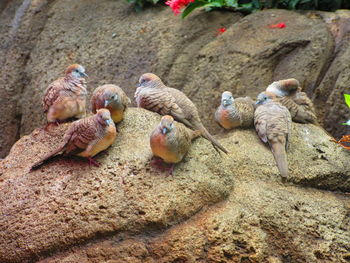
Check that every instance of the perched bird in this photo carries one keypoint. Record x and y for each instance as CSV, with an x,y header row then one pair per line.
x,y
112,98
66,97
153,95
86,137
233,113
288,93
171,140
285,87
273,124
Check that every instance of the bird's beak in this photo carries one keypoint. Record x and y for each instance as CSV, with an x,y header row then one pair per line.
x,y
257,102
106,103
164,130
108,121
84,74
138,85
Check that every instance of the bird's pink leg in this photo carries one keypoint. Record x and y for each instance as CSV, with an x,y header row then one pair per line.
x,y
157,163
93,162
171,169
49,124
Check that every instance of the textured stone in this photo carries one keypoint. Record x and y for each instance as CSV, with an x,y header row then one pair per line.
x,y
216,208
117,45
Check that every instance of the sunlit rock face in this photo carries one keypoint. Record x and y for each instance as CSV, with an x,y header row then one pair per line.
x,y
215,207
116,45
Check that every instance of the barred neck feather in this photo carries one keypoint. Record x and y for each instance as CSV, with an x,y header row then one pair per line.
x,y
155,84
75,84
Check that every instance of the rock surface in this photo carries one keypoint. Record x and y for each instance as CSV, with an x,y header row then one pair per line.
x,y
216,208
40,38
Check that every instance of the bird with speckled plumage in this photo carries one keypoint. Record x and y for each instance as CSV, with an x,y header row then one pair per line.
x,y
65,97
86,137
234,113
152,94
112,98
171,140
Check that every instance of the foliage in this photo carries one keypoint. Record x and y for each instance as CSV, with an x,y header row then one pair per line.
x,y
245,6
347,101
139,4
248,6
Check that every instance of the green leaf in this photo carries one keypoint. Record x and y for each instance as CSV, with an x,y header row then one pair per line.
x,y
293,3
214,4
192,6
245,7
232,3
347,99
256,4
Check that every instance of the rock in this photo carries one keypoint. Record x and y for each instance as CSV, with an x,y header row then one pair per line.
x,y
20,25
148,41
328,96
250,55
117,45
261,222
215,207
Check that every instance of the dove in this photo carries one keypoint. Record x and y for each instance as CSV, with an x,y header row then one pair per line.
x,y
86,137
153,95
233,113
66,97
171,140
112,98
288,93
273,123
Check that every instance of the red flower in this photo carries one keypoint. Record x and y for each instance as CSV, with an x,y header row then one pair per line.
x,y
279,25
176,5
220,31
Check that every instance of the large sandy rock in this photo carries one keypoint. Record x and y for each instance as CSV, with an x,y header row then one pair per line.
x,y
117,45
216,208
328,96
20,24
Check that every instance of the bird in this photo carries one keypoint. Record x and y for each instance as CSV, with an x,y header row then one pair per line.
x,y
112,98
171,140
65,97
153,95
86,138
273,124
233,113
288,93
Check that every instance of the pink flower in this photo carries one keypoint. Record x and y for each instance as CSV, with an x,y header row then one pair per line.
x,y
176,5
279,25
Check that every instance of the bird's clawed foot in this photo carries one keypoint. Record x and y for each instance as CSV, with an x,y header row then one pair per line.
x,y
50,124
93,162
159,164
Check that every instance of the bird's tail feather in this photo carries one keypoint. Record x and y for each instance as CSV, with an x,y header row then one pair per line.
x,y
195,134
48,156
210,138
280,155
